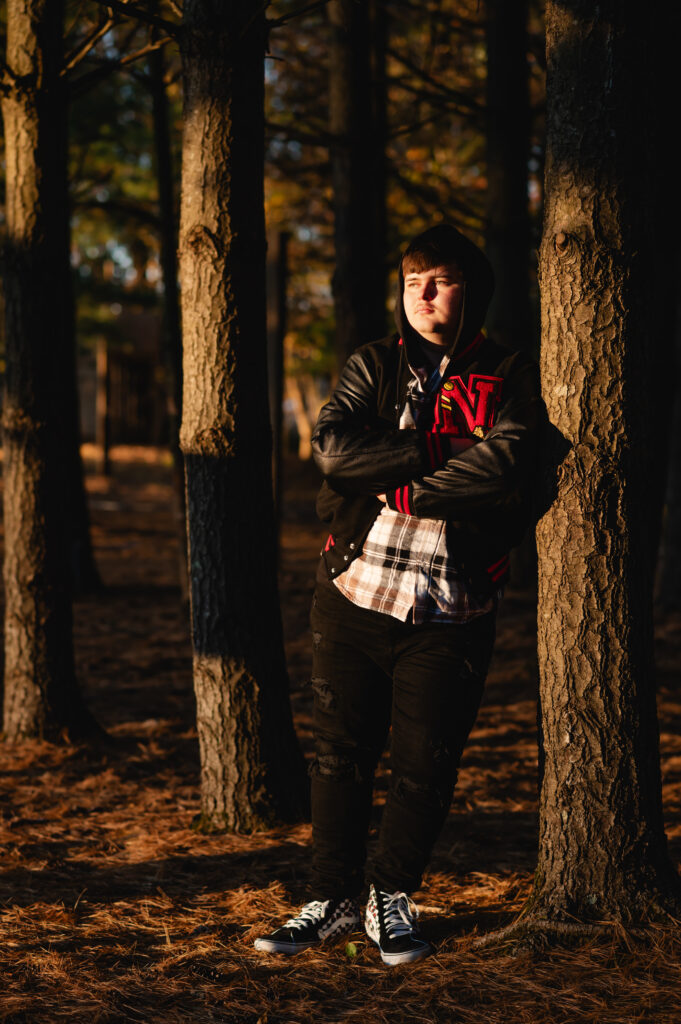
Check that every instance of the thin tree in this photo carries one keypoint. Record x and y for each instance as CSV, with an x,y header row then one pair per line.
x,y
508,144
251,767
602,848
358,128
172,327
41,693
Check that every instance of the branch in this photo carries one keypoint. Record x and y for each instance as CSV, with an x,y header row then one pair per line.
x,y
276,22
108,67
149,48
432,82
429,194
462,106
408,129
79,54
133,11
454,25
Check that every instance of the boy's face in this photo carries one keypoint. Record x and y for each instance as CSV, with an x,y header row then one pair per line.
x,y
432,302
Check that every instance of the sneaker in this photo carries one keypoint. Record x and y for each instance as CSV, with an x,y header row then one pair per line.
x,y
390,922
315,923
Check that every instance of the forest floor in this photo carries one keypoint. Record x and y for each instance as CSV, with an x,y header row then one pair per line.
x,y
112,909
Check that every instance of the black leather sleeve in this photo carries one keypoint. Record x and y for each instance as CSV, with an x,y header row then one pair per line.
x,y
493,471
356,451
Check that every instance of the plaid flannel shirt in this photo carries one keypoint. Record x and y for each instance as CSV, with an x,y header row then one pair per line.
x,y
406,568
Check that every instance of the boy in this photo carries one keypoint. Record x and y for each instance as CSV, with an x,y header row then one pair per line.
x,y
427,448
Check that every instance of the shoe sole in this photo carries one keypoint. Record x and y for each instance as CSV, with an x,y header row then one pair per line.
x,y
288,948
395,959
347,927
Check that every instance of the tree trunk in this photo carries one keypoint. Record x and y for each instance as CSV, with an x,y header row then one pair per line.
x,y
277,275
508,144
509,317
665,399
85,578
602,848
172,327
669,567
41,694
358,124
102,418
251,766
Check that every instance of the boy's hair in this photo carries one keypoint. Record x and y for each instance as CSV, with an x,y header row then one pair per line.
x,y
424,253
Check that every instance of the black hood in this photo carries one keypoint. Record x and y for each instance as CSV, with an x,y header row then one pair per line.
x,y
478,278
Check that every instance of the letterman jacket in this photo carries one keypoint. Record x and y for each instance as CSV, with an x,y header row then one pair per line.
x,y
488,394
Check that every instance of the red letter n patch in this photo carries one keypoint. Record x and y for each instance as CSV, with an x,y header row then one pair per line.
x,y
477,402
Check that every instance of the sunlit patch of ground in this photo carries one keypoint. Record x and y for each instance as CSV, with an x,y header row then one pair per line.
x,y
112,909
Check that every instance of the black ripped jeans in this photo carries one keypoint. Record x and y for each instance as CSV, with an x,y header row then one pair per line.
x,y
372,672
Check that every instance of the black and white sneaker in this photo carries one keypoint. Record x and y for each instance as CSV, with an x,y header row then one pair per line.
x,y
316,922
390,922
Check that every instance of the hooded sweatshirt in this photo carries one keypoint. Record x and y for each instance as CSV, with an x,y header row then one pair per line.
x,y
488,394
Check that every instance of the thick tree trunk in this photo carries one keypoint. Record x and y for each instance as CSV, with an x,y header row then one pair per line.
x,y
358,125
251,767
41,694
602,849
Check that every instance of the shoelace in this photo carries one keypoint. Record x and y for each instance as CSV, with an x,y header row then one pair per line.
x,y
399,914
311,913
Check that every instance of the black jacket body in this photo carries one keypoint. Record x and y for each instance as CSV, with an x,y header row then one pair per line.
x,y
484,493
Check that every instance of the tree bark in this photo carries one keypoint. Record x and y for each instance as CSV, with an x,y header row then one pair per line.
x,y
251,766
602,848
172,326
41,694
358,125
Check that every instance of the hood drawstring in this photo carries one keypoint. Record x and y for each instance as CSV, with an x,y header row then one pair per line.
x,y
449,357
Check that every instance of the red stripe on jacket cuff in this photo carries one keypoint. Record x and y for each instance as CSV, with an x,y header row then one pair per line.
x,y
491,568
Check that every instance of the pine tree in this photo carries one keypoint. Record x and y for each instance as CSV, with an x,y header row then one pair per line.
x,y
41,693
602,848
251,767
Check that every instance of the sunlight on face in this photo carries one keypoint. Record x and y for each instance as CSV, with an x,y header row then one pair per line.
x,y
432,302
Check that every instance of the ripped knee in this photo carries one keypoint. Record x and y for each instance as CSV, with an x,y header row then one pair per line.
x,y
340,768
438,790
324,694
334,766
